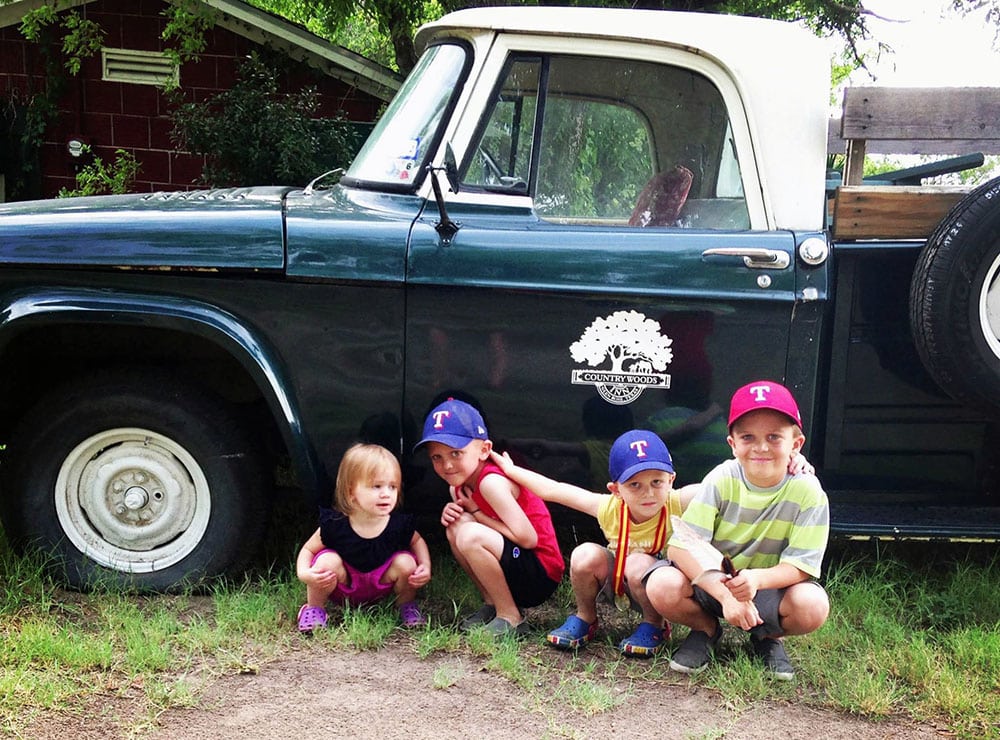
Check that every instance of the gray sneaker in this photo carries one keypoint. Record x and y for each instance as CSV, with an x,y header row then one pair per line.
x,y
482,615
772,652
696,651
500,627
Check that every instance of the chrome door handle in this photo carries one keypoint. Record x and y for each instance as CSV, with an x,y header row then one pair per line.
x,y
759,259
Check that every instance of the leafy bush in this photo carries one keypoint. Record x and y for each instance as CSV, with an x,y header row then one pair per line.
x,y
97,179
253,135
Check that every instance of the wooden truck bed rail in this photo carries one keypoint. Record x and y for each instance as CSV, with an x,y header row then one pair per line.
x,y
889,120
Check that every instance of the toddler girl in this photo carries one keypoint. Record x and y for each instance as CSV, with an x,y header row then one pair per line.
x,y
364,547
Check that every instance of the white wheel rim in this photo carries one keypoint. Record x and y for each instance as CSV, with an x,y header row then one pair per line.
x,y
132,500
989,307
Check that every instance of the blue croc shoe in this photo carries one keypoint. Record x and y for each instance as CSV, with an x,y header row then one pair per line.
x,y
573,633
646,641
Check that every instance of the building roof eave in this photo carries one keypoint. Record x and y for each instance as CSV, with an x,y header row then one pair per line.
x,y
12,13
336,61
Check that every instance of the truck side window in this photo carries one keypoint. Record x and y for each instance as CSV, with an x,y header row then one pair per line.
x,y
604,136
501,162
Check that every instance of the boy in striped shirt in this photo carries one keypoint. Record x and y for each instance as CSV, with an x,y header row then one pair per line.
x,y
771,526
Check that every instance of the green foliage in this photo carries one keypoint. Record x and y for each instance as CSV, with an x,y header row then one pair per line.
x,y
436,640
877,164
921,639
380,30
184,33
35,21
253,134
96,178
609,149
376,28
64,40
589,696
81,38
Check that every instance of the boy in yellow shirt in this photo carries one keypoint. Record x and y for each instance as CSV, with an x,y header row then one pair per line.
x,y
635,518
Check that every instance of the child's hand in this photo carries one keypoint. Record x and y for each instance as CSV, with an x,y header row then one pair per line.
x,y
320,577
799,464
420,577
742,614
743,586
463,497
502,460
452,512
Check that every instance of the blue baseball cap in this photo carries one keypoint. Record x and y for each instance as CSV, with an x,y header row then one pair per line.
x,y
453,423
635,451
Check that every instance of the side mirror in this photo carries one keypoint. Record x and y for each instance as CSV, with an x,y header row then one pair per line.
x,y
450,167
445,227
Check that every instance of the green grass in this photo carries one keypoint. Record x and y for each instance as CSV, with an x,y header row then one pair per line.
x,y
914,632
917,640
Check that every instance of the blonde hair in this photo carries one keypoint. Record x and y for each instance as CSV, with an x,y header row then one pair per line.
x,y
363,463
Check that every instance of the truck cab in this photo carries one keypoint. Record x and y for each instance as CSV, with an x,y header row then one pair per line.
x,y
582,221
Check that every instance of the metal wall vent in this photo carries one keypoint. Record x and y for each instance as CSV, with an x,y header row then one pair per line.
x,y
138,67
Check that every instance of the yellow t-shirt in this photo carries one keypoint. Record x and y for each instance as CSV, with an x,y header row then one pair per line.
x,y
641,536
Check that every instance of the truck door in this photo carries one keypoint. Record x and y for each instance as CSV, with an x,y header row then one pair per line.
x,y
605,274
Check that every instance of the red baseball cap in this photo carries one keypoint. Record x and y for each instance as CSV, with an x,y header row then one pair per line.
x,y
764,394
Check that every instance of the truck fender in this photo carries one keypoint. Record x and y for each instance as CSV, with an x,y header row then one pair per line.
x,y
955,300
67,305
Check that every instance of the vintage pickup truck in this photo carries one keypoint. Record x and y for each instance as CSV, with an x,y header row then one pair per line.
x,y
582,220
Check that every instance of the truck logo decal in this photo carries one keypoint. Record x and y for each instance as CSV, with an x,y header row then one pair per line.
x,y
635,347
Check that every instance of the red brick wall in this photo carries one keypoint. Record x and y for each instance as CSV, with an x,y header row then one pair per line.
x,y
112,115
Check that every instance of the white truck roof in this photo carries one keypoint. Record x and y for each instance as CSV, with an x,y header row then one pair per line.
x,y
781,71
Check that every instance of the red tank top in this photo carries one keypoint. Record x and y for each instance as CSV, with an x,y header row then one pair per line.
x,y
537,512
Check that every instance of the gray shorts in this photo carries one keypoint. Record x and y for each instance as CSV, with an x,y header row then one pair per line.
x,y
607,592
767,601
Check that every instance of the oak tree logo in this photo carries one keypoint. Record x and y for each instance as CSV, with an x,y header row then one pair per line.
x,y
636,349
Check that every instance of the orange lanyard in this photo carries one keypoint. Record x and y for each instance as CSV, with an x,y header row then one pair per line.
x,y
621,552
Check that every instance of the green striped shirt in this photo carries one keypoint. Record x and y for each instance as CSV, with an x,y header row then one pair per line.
x,y
761,527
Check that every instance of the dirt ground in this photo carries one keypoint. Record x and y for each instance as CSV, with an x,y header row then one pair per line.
x,y
316,690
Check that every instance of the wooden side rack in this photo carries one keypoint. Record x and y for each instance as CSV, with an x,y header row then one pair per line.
x,y
888,120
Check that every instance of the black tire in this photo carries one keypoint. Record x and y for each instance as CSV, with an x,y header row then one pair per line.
x,y
134,479
955,300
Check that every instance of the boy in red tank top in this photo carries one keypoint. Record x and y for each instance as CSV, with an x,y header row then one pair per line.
x,y
500,533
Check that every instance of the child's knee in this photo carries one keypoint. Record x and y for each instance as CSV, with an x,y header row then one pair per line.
x,y
403,563
328,560
588,557
808,605
453,535
666,585
636,566
469,537
817,609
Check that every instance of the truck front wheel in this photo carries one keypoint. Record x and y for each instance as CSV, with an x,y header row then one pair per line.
x,y
955,300
140,480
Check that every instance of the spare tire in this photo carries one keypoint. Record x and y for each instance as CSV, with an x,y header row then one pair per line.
x,y
955,300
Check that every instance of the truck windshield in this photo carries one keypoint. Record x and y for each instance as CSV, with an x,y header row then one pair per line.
x,y
395,153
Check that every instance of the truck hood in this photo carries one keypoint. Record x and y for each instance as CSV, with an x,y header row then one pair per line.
x,y
236,228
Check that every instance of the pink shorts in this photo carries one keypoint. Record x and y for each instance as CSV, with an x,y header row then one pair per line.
x,y
364,588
